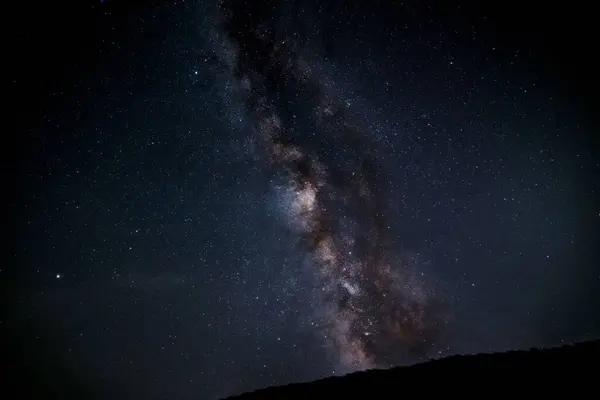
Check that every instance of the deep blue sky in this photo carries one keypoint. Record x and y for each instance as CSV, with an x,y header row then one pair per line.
x,y
151,250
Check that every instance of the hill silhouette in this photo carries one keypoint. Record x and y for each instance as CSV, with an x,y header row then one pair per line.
x,y
569,366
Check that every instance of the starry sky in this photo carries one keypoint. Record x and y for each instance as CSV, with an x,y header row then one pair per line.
x,y
214,197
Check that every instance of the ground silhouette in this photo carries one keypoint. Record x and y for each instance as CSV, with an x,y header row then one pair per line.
x,y
570,367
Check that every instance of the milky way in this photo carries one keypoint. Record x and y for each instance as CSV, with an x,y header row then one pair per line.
x,y
371,309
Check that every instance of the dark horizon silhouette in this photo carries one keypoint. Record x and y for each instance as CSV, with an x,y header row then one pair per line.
x,y
508,367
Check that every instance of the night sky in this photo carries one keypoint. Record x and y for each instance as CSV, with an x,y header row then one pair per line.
x,y
210,197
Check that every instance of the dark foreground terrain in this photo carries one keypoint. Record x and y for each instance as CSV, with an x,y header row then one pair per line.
x,y
571,367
